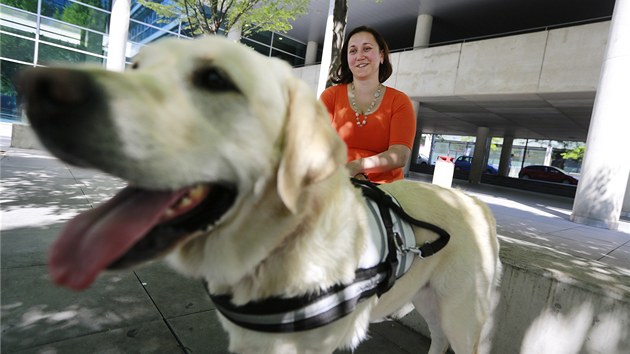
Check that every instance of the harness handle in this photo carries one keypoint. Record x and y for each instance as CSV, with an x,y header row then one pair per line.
x,y
371,190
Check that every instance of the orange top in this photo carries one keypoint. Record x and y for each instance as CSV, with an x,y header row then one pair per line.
x,y
393,123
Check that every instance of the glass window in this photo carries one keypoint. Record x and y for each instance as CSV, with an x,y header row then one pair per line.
x,y
18,22
148,16
260,48
17,48
50,55
9,102
134,47
144,34
70,36
262,37
103,4
28,5
293,60
289,45
77,14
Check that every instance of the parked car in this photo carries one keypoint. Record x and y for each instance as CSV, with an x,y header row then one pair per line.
x,y
463,163
423,159
546,173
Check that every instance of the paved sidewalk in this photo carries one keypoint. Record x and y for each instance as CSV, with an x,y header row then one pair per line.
x,y
152,309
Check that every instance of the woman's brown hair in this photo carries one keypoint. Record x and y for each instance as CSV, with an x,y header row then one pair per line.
x,y
343,75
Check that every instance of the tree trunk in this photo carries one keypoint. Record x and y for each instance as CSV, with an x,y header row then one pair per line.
x,y
340,18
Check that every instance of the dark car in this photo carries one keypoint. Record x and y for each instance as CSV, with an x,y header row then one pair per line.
x,y
423,159
547,173
463,163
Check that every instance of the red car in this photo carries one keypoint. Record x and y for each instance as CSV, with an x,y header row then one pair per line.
x,y
546,173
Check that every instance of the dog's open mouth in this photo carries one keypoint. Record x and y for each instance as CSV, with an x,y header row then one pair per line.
x,y
134,226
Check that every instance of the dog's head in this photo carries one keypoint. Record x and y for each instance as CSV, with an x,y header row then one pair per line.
x,y
200,129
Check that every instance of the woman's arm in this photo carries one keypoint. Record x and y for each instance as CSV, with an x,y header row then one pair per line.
x,y
394,157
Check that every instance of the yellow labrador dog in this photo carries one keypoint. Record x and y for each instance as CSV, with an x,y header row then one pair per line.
x,y
236,177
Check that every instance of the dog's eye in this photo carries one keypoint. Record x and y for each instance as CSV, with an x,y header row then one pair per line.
x,y
214,80
134,65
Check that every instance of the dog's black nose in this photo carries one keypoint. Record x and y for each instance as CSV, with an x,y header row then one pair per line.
x,y
68,111
52,93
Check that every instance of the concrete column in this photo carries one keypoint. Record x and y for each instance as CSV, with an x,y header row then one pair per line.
x,y
423,31
118,32
505,161
311,53
604,179
413,159
327,50
479,156
548,154
625,208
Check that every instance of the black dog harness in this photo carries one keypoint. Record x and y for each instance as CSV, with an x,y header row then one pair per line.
x,y
282,315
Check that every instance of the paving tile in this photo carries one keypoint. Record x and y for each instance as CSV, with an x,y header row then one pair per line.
x,y
593,235
391,338
173,294
38,215
35,312
37,199
23,247
201,333
96,195
148,337
590,250
401,336
619,257
96,186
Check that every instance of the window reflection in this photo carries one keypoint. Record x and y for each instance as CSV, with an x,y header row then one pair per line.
x,y
76,31
77,13
10,107
50,55
19,22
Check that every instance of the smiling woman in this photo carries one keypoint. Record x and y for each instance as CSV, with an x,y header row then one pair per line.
x,y
376,122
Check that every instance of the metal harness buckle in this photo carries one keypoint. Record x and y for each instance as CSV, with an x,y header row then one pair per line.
x,y
400,249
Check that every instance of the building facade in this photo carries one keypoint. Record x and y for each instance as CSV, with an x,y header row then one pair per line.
x,y
48,32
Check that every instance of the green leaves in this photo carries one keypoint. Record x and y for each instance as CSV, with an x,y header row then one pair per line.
x,y
216,16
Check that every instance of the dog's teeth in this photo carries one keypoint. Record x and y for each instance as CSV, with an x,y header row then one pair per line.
x,y
169,213
184,202
197,192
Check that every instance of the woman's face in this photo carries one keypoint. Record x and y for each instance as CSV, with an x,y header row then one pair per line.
x,y
364,55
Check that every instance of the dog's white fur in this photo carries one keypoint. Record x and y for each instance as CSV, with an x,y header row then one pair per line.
x,y
297,225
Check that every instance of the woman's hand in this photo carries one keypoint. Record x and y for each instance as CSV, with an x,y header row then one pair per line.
x,y
395,157
355,167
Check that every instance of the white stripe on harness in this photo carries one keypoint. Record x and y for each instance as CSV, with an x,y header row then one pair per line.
x,y
401,228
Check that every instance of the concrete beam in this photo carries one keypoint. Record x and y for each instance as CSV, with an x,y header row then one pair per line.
x,y
557,61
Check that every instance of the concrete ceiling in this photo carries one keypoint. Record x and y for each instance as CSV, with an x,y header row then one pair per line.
x,y
563,117
557,116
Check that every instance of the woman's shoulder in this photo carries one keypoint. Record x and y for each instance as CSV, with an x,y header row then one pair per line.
x,y
396,92
333,93
397,96
336,88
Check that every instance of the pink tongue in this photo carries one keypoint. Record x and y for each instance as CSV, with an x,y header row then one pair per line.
x,y
97,237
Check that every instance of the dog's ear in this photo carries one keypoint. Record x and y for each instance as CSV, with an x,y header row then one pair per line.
x,y
311,149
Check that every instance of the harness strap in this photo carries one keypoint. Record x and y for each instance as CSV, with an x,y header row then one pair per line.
x,y
391,261
371,190
283,315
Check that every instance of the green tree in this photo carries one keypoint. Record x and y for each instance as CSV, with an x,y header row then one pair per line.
x,y
574,154
28,5
219,16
